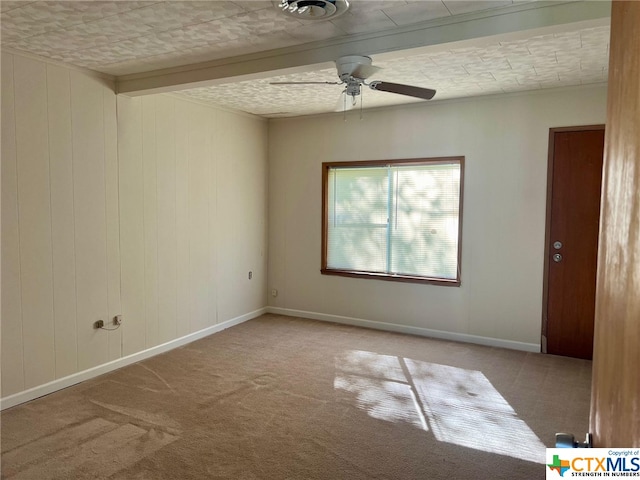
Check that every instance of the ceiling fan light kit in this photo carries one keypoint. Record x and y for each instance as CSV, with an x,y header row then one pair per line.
x,y
314,9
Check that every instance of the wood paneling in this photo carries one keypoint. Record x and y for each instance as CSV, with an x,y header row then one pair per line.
x,y
131,224
249,171
183,320
615,398
240,171
150,216
195,178
34,212
213,225
226,282
59,142
112,221
12,378
199,157
106,214
167,248
62,220
90,218
257,171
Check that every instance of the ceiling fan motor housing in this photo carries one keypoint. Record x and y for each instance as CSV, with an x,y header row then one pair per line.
x,y
347,65
314,9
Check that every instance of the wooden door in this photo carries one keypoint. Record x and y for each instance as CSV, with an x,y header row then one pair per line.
x,y
575,167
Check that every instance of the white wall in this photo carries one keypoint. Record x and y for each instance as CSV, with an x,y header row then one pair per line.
x,y
193,208
504,140
59,222
156,212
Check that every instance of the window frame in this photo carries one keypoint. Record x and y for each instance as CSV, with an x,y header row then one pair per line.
x,y
324,270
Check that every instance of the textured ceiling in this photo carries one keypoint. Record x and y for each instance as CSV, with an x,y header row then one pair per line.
x,y
124,37
556,60
128,37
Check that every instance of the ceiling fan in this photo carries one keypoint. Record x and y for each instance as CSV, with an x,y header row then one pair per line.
x,y
353,70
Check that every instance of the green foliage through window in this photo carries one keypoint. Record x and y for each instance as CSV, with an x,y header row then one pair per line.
x,y
396,219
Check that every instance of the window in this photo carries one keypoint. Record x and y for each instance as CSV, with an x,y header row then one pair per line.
x,y
394,220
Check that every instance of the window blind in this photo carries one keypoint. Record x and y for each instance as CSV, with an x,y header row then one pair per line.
x,y
394,219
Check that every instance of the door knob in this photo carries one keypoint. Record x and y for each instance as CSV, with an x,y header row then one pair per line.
x,y
557,257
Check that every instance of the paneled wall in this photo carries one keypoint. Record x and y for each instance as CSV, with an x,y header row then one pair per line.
x,y
60,241
153,208
193,217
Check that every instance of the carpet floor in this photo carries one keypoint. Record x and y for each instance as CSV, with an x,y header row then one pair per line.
x,y
286,398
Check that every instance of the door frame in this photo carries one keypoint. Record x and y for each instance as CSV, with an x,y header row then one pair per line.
x,y
547,226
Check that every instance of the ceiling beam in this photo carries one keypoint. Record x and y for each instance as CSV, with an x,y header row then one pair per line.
x,y
544,16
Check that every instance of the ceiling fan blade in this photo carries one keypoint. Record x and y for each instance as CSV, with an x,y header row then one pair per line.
x,y
364,71
305,83
418,92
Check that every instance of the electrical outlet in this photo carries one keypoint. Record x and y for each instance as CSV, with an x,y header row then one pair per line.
x,y
117,320
274,292
98,324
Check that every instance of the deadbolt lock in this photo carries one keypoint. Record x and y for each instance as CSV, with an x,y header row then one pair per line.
x,y
557,245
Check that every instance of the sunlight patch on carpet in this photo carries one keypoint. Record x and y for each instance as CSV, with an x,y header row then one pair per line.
x,y
459,406
384,400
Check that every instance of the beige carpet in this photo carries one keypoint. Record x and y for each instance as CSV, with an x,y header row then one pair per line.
x,y
285,398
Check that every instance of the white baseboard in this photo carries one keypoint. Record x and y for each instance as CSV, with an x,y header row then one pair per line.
x,y
60,383
423,332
